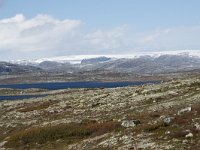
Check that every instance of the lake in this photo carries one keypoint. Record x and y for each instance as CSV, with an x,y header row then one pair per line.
x,y
20,97
66,85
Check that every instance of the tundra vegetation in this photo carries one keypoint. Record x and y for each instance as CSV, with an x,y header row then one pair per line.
x,y
154,116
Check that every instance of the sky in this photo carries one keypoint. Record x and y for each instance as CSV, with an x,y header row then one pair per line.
x,y
32,29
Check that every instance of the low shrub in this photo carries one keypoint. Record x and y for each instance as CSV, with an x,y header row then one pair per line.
x,y
149,127
152,127
68,132
178,134
154,115
37,106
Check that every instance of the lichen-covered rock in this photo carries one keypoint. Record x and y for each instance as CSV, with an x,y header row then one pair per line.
x,y
168,120
185,110
189,135
197,125
130,123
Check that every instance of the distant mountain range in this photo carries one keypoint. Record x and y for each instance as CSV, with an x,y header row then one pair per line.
x,y
145,64
77,59
141,64
9,68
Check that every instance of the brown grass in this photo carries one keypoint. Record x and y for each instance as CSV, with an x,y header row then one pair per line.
x,y
37,106
178,134
149,127
68,132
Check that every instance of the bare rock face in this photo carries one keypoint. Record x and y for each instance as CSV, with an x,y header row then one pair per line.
x,y
130,123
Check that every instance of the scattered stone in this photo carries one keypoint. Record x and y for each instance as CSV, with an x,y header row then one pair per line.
x,y
162,117
123,106
2,144
167,120
184,141
175,140
145,144
112,141
185,110
167,132
130,123
59,140
197,125
173,93
189,135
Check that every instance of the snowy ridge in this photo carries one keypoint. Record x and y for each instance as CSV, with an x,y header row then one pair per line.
x,y
76,59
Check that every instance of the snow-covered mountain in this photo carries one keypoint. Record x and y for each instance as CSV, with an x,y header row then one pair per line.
x,y
77,59
9,68
138,63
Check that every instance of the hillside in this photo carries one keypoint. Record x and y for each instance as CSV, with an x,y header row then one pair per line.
x,y
9,68
140,68
161,116
138,64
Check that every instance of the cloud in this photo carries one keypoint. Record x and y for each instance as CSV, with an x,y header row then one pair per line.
x,y
171,39
112,39
43,32
44,36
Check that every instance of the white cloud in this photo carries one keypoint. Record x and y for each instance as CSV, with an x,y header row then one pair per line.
x,y
171,39
106,40
43,32
44,36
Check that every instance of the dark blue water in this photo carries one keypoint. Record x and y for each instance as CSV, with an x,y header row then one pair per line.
x,y
19,97
65,85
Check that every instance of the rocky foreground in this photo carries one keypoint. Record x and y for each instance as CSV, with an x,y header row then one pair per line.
x,y
161,116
